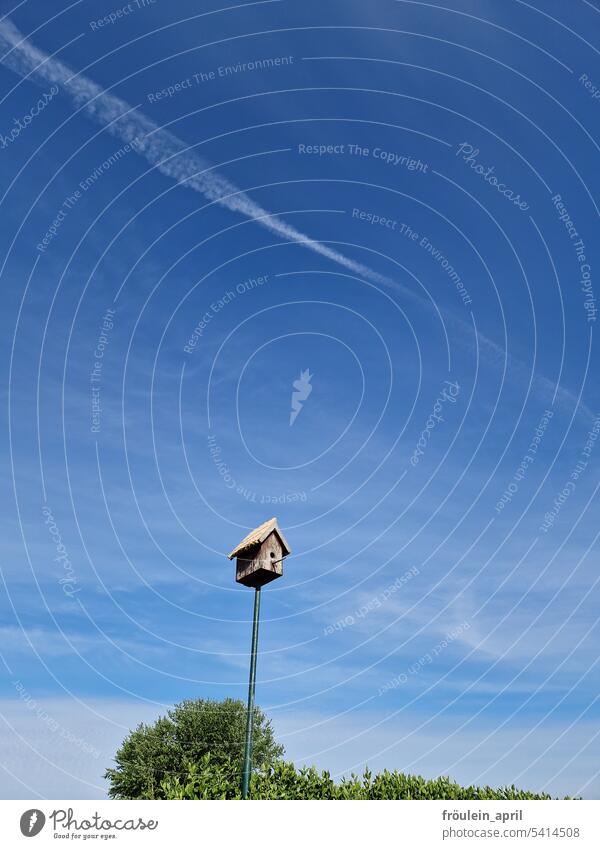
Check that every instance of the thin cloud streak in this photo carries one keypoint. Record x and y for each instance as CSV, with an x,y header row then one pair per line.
x,y
173,158
159,147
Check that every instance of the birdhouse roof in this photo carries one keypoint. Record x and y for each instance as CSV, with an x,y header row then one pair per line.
x,y
258,536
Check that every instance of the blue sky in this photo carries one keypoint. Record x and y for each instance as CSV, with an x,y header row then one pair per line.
x,y
199,206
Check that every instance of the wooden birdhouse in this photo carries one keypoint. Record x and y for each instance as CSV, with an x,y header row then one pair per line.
x,y
260,555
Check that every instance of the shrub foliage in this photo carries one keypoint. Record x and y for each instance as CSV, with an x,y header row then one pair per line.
x,y
209,779
154,753
196,751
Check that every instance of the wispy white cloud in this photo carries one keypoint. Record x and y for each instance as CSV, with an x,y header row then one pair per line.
x,y
160,147
177,160
49,643
50,743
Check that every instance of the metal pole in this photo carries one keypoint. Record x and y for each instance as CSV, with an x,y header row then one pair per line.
x,y
250,713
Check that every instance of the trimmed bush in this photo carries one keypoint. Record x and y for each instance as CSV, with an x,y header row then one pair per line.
x,y
210,779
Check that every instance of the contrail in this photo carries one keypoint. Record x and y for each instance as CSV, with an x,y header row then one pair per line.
x,y
160,147
169,155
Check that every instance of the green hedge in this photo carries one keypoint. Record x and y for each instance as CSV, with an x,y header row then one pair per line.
x,y
214,780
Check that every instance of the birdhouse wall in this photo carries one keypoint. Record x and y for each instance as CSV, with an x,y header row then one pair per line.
x,y
260,564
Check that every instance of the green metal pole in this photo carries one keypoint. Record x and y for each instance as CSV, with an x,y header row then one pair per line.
x,y
250,713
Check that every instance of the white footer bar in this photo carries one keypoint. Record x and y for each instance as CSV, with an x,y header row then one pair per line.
x,y
305,825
